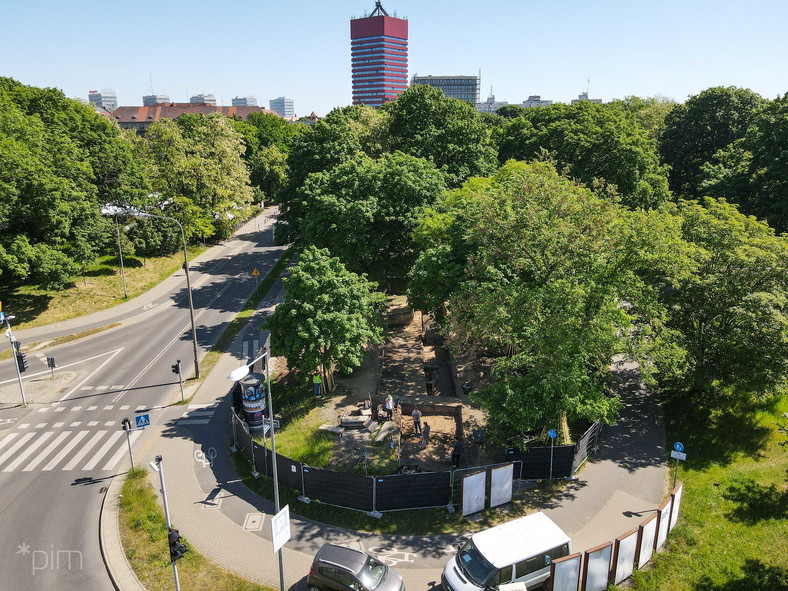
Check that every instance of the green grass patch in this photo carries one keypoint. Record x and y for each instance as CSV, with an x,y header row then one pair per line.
x,y
99,289
732,534
143,533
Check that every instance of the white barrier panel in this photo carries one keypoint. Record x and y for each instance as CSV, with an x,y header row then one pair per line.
x,y
473,487
647,533
663,516
674,512
596,567
565,573
624,556
501,485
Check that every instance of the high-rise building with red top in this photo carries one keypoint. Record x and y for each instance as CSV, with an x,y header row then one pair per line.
x,y
379,57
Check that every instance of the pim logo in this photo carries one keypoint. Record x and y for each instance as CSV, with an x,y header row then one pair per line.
x,y
52,560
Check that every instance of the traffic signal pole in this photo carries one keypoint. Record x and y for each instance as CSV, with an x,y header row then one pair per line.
x,y
15,345
157,465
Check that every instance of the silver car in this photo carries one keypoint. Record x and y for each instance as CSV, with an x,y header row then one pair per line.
x,y
339,568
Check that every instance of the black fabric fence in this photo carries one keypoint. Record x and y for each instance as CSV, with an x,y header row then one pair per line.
x,y
412,491
536,461
343,489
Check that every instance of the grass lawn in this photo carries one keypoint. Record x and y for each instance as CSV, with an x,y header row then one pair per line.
x,y
143,532
100,288
732,534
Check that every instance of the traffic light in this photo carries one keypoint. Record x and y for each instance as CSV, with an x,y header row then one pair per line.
x,y
177,549
51,362
176,367
21,362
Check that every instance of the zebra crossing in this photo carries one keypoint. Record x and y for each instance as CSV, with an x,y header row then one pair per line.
x,y
65,451
197,414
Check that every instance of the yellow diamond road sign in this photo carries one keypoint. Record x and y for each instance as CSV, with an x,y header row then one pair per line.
x,y
255,272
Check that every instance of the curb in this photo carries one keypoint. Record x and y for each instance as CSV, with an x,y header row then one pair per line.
x,y
118,568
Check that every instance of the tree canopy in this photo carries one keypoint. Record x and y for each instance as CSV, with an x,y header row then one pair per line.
x,y
328,315
593,143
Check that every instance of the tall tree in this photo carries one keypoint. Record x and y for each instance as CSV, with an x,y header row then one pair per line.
x,y
364,211
450,132
328,315
593,143
539,268
695,130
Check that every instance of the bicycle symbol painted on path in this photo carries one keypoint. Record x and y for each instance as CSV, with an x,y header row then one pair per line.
x,y
390,556
206,458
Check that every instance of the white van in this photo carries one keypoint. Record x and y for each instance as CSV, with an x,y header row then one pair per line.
x,y
519,551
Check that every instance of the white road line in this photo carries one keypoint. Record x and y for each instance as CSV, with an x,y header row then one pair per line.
x,y
117,386
92,407
23,426
61,368
28,452
62,453
110,423
84,451
92,423
122,450
41,425
56,425
43,409
198,406
75,424
83,382
193,421
102,387
76,408
200,413
8,439
142,407
50,448
86,388
60,409
125,407
108,407
10,451
103,450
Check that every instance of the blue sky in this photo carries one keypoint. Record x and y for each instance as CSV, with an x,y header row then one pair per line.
x,y
301,48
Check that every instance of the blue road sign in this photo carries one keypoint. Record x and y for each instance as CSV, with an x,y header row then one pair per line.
x,y
678,446
142,421
552,434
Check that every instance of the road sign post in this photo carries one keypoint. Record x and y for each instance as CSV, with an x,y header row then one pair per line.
x,y
15,345
678,448
551,433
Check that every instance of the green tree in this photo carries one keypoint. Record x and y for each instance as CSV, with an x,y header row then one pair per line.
x,y
268,171
450,132
730,313
538,268
592,143
364,211
273,130
328,315
753,171
695,130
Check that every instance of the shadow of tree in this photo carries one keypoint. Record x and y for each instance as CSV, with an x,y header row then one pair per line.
x,y
713,436
755,502
756,576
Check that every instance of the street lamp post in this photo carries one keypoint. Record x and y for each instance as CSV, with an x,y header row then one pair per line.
x,y
143,215
234,376
114,212
15,350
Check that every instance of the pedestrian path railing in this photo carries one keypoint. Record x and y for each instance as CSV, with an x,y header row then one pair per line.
x,y
398,492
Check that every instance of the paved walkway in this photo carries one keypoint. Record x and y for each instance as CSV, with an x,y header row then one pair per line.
x,y
229,524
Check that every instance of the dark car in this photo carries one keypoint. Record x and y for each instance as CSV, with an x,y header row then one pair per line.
x,y
339,568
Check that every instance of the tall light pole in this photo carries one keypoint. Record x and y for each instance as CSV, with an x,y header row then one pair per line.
x,y
143,215
113,211
158,467
239,374
15,351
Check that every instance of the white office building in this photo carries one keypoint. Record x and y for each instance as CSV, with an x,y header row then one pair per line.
x,y
207,99
535,101
148,100
282,105
583,97
490,105
106,98
245,101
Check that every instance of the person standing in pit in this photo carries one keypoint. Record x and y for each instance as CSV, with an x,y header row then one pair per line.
x,y
417,421
425,435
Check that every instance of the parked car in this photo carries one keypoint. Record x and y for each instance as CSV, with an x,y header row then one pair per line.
x,y
339,568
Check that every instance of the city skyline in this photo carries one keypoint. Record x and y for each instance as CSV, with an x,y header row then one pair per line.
x,y
302,50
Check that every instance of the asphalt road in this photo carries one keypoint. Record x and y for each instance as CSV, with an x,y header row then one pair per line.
x,y
57,457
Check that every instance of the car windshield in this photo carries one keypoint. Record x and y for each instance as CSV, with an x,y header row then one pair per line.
x,y
474,564
373,573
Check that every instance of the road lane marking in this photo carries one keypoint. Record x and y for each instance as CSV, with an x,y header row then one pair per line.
x,y
62,453
110,423
92,407
56,425
23,426
103,450
50,448
8,439
75,424
28,452
92,423
84,451
11,450
122,450
83,382
41,425
60,409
